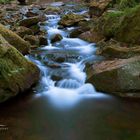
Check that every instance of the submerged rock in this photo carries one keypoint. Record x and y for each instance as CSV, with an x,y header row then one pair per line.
x,y
117,76
71,20
56,38
16,73
15,40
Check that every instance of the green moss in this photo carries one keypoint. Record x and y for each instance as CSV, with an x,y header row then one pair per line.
x,y
127,4
15,40
5,1
16,73
129,29
112,23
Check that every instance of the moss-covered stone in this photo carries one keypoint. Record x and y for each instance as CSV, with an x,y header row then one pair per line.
x,y
129,29
122,25
71,19
16,73
52,10
20,44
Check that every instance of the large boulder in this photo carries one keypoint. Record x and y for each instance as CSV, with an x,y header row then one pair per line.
x,y
116,76
71,20
92,36
114,24
17,74
96,8
20,44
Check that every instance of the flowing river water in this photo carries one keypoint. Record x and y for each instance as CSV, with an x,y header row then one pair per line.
x,y
63,106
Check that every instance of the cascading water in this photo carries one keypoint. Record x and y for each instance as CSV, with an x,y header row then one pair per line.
x,y
74,52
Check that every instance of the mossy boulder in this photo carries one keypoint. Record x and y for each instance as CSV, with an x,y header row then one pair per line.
x,y
17,74
120,77
129,29
52,10
15,40
121,25
108,23
71,20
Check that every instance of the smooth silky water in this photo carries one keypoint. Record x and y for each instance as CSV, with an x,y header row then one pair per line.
x,y
68,108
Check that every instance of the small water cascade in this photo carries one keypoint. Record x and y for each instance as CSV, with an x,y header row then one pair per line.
x,y
75,53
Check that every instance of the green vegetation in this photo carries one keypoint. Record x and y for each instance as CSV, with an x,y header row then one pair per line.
x,y
5,1
127,4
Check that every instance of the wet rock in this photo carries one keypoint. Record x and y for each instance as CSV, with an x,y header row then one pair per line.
x,y
33,40
31,14
15,40
83,26
22,31
28,22
75,33
60,59
119,77
56,78
53,65
35,29
42,40
97,8
22,2
114,49
92,36
71,20
56,38
16,73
